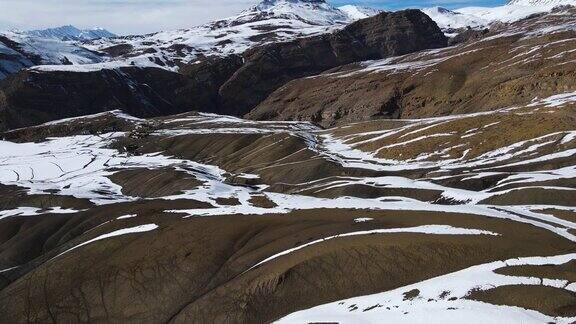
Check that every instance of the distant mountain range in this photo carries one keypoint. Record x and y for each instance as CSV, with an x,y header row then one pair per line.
x,y
67,47
70,32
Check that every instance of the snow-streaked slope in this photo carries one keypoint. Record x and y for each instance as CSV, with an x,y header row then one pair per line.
x,y
70,32
120,232
358,12
314,12
441,299
448,19
426,229
11,61
507,13
50,50
73,167
482,17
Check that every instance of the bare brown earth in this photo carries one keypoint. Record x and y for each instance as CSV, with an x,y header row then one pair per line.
x,y
103,123
563,272
547,300
510,65
172,280
13,196
154,183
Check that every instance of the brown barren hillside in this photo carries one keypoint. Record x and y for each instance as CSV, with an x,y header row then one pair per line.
x,y
512,64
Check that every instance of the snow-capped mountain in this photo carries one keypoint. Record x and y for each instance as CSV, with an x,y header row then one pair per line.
x,y
448,20
482,17
19,50
357,12
70,32
313,12
53,46
266,22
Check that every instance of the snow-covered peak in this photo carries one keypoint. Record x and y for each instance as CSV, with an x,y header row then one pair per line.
x,y
357,12
483,17
265,4
448,20
314,12
44,50
70,32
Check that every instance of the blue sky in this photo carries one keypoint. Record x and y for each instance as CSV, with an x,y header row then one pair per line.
x,y
145,16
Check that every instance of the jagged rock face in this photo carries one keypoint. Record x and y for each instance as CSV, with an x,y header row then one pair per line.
x,y
205,80
513,64
468,35
231,85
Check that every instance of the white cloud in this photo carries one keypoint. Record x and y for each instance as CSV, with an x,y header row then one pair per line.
x,y
119,16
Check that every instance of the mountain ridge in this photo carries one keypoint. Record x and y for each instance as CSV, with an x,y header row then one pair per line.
x,y
70,32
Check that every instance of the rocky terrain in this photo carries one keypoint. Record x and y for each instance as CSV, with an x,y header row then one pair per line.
x,y
231,85
376,171
247,76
